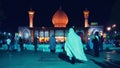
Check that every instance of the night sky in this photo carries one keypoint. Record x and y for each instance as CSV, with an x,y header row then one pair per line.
x,y
14,13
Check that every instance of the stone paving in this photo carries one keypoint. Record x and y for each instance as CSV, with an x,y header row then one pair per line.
x,y
31,59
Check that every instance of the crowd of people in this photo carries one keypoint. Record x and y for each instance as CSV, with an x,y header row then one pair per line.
x,y
73,45
13,42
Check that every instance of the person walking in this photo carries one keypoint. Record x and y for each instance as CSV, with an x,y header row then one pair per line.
x,y
8,41
35,43
74,47
1,41
21,44
101,43
96,44
52,44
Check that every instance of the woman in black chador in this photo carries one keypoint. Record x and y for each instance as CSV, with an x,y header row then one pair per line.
x,y
96,44
21,44
35,43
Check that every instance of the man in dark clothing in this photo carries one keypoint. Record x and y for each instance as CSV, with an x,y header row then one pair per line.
x,y
96,44
82,36
21,43
101,43
35,43
1,42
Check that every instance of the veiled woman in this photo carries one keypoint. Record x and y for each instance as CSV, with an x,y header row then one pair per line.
x,y
74,46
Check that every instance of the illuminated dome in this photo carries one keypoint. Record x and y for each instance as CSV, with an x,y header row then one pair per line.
x,y
60,18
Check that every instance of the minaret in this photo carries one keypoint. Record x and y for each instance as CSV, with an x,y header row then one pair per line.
x,y
31,16
86,15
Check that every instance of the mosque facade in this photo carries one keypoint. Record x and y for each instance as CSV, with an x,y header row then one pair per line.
x,y
60,21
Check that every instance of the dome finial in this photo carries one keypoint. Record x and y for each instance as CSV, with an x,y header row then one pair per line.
x,y
31,9
60,8
86,9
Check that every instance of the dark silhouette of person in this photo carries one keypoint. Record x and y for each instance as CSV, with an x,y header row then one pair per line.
x,y
96,44
82,36
52,44
1,41
21,44
101,43
35,43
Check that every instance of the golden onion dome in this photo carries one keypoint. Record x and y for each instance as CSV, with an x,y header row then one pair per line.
x,y
60,18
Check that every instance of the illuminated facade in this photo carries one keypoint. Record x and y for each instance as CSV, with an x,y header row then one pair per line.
x,y
92,29
60,21
43,33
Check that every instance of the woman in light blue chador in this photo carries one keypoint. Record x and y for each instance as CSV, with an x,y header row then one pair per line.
x,y
52,44
74,46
